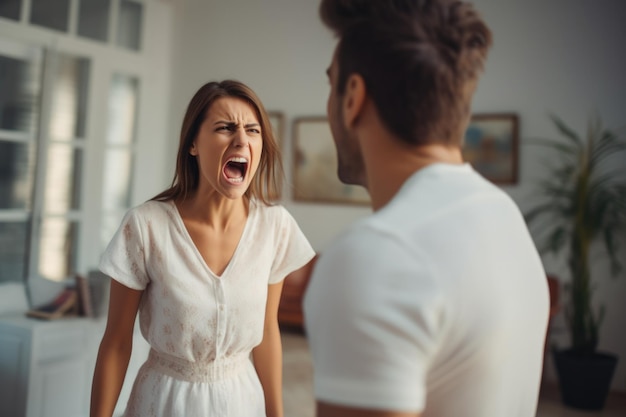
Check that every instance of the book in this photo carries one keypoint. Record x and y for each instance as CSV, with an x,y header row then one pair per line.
x,y
66,303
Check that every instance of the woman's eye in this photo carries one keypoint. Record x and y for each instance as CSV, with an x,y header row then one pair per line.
x,y
255,131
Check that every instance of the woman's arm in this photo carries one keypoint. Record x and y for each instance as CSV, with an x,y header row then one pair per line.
x,y
115,349
268,356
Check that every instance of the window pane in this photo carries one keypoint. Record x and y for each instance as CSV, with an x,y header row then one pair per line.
x,y
69,98
123,101
129,24
57,252
16,175
10,9
117,179
93,19
53,14
62,192
19,88
13,250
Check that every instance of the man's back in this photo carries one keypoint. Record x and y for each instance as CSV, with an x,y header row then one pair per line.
x,y
437,303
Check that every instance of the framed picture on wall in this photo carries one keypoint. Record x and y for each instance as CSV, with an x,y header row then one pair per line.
x,y
315,166
491,146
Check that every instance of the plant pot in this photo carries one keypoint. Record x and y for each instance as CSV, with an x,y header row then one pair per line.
x,y
584,378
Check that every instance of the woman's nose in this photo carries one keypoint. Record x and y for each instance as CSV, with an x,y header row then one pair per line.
x,y
240,138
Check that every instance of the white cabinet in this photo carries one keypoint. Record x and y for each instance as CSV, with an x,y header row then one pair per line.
x,y
46,366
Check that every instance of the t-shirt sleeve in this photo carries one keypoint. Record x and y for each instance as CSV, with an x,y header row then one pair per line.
x,y
124,258
373,319
293,250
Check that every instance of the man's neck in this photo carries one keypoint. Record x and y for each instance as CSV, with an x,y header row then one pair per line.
x,y
393,163
389,161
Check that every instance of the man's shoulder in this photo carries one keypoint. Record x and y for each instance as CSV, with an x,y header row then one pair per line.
x,y
370,245
429,200
371,230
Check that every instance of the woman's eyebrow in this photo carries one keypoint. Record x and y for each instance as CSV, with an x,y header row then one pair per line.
x,y
235,124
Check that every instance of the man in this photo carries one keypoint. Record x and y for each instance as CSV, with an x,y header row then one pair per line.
x,y
437,303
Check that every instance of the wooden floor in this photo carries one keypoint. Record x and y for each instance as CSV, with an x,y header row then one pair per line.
x,y
298,387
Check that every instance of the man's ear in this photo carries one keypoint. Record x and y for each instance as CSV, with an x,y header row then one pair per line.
x,y
353,99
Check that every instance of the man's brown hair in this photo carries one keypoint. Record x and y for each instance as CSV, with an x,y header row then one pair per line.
x,y
420,60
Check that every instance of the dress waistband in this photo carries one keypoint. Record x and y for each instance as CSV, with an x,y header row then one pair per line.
x,y
196,371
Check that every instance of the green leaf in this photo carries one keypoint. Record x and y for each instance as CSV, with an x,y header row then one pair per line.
x,y
582,198
554,145
605,180
611,248
566,131
557,239
608,146
555,191
531,215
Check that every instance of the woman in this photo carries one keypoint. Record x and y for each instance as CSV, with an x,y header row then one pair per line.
x,y
203,263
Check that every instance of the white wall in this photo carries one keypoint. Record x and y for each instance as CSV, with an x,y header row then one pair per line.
x,y
561,56
281,50
154,114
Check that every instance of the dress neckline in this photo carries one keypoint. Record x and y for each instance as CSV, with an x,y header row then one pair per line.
x,y
181,224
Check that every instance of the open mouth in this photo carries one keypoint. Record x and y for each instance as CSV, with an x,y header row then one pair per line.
x,y
235,169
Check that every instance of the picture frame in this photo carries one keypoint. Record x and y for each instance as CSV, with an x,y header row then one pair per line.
x,y
315,166
491,146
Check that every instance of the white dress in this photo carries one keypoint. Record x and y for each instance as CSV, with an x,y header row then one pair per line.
x,y
201,327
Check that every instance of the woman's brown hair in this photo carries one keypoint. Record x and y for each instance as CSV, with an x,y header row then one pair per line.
x,y
268,178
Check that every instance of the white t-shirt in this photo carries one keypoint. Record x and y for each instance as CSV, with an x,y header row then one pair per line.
x,y
201,328
437,303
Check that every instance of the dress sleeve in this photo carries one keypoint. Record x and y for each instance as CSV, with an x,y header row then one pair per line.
x,y
124,258
293,250
374,319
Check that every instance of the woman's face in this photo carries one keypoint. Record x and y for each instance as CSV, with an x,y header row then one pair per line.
x,y
228,147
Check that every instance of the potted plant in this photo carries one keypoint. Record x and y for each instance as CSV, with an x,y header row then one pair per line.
x,y
582,202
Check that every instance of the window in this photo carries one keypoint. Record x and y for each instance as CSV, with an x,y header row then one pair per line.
x,y
52,14
40,209
68,114
61,214
10,9
93,19
119,153
20,75
117,22
129,24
